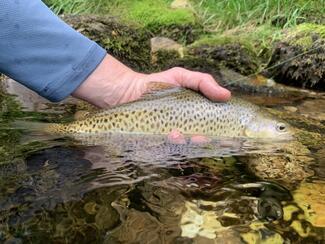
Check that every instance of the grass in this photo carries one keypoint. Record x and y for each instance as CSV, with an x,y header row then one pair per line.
x,y
255,22
156,13
214,15
227,14
148,13
78,6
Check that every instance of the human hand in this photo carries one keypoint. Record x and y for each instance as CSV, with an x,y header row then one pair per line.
x,y
114,83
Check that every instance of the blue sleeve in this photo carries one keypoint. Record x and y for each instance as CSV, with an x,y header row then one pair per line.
x,y
42,52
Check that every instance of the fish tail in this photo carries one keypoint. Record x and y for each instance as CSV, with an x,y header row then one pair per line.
x,y
50,128
37,131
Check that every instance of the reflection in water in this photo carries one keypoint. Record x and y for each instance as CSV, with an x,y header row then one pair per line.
x,y
157,148
98,193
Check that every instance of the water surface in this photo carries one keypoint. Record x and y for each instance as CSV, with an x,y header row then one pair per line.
x,y
144,189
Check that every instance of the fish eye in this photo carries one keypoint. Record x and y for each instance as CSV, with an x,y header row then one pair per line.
x,y
281,127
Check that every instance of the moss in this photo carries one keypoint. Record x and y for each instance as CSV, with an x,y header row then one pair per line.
x,y
195,63
220,40
228,51
154,14
305,42
164,58
128,43
299,58
309,28
159,19
304,35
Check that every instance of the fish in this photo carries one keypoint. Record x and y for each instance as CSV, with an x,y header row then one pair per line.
x,y
166,108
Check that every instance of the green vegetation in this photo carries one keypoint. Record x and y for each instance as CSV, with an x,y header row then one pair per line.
x,y
232,13
212,14
11,146
242,35
154,14
307,29
147,13
304,35
78,6
256,23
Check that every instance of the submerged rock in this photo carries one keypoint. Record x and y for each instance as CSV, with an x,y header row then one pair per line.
x,y
311,198
260,234
287,169
314,109
291,166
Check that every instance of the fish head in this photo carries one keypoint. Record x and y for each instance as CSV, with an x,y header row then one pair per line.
x,y
268,127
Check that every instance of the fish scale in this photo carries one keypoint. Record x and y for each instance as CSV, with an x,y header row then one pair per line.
x,y
159,113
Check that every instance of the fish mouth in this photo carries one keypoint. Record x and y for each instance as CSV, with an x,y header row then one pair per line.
x,y
287,137
269,136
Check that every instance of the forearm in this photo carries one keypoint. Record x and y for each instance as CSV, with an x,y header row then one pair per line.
x,y
42,52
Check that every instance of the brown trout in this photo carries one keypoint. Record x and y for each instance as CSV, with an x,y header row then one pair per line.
x,y
182,109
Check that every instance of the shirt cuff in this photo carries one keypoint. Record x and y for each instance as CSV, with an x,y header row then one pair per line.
x,y
59,90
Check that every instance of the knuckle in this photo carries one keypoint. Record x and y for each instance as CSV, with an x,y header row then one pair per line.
x,y
178,69
208,76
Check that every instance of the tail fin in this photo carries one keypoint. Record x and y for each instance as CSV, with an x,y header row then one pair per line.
x,y
32,126
37,131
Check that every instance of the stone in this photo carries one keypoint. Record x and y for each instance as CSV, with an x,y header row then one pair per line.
x,y
311,198
288,168
291,109
30,100
164,44
177,4
314,109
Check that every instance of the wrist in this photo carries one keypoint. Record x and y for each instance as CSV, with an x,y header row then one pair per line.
x,y
101,87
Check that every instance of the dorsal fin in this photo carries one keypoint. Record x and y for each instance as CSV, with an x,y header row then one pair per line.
x,y
159,89
159,86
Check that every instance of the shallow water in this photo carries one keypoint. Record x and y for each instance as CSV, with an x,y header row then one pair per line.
x,y
146,190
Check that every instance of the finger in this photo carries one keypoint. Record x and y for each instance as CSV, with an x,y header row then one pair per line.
x,y
197,81
197,139
176,137
204,83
